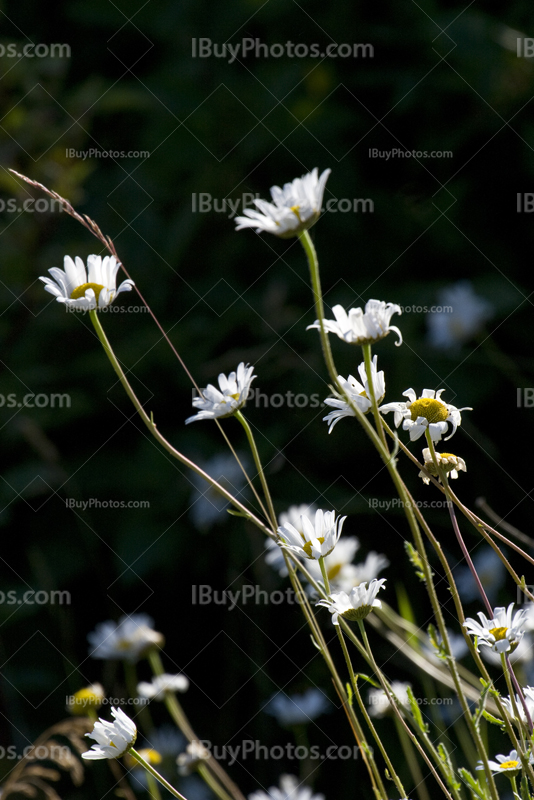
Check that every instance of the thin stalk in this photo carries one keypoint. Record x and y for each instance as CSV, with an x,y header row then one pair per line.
x,y
374,404
151,771
252,443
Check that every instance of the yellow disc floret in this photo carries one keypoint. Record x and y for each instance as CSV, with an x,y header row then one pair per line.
x,y
307,547
431,410
499,633
81,290
510,765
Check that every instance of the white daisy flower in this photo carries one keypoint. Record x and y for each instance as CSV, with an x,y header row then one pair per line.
x,y
130,639
317,539
528,694
510,764
356,605
274,556
338,564
232,396
502,633
113,739
296,207
450,463
195,753
161,685
521,655
297,709
290,789
359,393
86,290
362,327
426,412
468,313
378,700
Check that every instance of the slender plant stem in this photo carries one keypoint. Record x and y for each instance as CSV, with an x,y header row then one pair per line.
x,y
252,443
151,771
374,404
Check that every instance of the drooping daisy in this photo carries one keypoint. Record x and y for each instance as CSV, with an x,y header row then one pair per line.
x,y
232,396
113,739
290,789
161,685
426,412
83,289
502,633
296,207
450,464
356,605
88,697
131,638
297,709
274,556
317,539
359,394
362,327
510,764
379,705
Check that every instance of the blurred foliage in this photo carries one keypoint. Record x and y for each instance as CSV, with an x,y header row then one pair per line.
x,y
442,77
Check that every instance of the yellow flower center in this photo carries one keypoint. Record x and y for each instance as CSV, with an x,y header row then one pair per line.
x,y
510,765
295,210
307,547
334,571
499,633
81,290
235,396
431,410
447,455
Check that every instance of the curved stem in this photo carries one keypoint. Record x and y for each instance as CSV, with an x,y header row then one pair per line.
x,y
252,443
151,771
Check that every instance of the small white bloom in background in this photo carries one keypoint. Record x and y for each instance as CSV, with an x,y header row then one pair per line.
x,y
510,764
356,605
274,556
362,327
232,396
378,700
290,789
84,289
359,394
318,537
161,685
129,639
86,698
448,462
297,709
195,753
338,563
427,411
490,570
295,208
207,504
502,633
113,739
449,330
364,572
528,694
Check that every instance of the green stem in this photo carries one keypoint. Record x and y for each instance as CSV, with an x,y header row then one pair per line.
x,y
153,788
151,771
376,413
252,443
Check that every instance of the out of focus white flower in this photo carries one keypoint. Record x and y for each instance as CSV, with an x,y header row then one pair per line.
x,y
450,329
297,709
378,700
129,639
161,685
195,753
290,789
86,698
528,694
296,207
207,504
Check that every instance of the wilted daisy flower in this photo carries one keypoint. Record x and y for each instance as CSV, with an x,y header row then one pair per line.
x,y
89,697
378,700
130,639
359,394
297,709
113,739
274,556
296,207
290,789
468,313
426,412
502,633
232,396
448,462
86,290
195,753
317,539
161,684
362,327
356,605
510,764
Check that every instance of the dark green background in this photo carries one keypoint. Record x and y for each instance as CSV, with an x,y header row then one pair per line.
x,y
440,79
